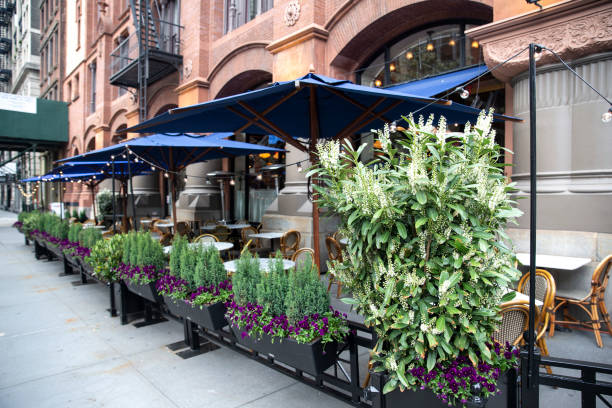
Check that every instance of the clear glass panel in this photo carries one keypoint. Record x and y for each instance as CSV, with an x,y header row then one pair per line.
x,y
374,74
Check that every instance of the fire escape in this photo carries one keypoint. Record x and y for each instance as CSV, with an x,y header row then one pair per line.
x,y
148,54
7,7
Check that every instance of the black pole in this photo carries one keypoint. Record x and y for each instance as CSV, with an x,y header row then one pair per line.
x,y
114,210
61,198
533,48
132,192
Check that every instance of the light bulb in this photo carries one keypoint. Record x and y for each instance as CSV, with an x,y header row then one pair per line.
x,y
299,167
136,160
378,83
166,175
259,177
452,42
152,168
463,93
185,179
409,55
607,116
392,67
124,156
429,47
232,182
475,44
108,164
112,157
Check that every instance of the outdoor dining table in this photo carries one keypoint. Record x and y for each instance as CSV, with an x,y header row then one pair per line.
x,y
100,227
273,236
221,246
567,263
264,264
168,225
146,223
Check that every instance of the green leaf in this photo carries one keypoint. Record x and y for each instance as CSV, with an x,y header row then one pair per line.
x,y
401,228
402,377
421,197
483,245
432,213
353,217
421,221
390,386
432,341
349,301
431,360
508,296
441,323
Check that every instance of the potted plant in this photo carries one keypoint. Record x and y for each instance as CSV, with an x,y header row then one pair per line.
x,y
197,286
87,238
106,256
285,315
426,262
142,262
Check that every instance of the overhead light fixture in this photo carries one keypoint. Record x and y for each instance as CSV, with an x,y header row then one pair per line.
x,y
299,167
378,83
475,44
452,42
392,67
409,55
430,45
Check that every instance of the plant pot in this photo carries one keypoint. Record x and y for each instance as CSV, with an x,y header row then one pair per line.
x,y
176,307
211,317
147,291
426,398
312,358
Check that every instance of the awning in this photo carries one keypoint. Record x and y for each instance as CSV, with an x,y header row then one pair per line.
x,y
435,85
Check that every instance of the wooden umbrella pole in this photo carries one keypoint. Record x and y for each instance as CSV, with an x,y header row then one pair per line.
x,y
125,198
172,189
93,200
314,135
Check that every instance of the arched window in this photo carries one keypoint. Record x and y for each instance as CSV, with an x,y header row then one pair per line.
x,y
419,54
119,137
91,145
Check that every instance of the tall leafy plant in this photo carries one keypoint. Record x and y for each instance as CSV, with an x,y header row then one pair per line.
x,y
106,256
426,261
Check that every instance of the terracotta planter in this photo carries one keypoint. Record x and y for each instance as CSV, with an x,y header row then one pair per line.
x,y
312,358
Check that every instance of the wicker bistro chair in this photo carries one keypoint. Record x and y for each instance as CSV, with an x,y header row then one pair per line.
x,y
166,239
183,228
302,255
590,300
545,292
334,253
515,320
146,226
205,238
253,245
290,243
222,232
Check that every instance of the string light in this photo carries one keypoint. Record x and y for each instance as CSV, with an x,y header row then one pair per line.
x,y
378,83
299,167
393,127
259,177
232,182
463,93
475,44
166,175
409,55
606,117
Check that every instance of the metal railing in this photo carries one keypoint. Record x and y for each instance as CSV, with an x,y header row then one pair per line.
x,y
165,38
590,387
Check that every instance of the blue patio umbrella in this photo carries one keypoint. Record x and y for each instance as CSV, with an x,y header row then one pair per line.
x,y
172,153
311,107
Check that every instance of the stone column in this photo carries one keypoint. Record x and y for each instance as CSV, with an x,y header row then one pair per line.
x,y
293,210
199,201
146,196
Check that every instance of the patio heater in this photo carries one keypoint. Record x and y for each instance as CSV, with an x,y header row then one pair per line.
x,y
274,167
221,176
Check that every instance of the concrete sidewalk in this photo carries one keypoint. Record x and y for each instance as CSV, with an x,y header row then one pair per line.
x,y
61,349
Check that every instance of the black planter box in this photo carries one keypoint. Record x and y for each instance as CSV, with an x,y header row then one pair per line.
x,y
55,250
426,398
312,358
148,291
211,317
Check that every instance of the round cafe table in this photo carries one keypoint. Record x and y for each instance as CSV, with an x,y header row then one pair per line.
x,y
221,246
165,225
264,264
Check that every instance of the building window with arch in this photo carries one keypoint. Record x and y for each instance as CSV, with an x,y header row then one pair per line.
x,y
239,12
427,52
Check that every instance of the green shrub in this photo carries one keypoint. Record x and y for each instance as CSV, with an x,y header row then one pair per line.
x,y
178,245
105,257
82,216
104,200
273,289
73,232
305,294
75,214
188,261
209,269
140,249
246,278
87,237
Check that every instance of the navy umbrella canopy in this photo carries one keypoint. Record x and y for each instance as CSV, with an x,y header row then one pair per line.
x,y
101,167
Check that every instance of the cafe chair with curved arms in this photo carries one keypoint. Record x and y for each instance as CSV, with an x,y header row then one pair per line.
x,y
206,238
302,255
590,299
222,232
289,243
545,292
515,320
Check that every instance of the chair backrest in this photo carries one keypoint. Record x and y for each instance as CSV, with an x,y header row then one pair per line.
x,y
601,276
515,319
182,228
206,238
290,241
302,255
334,251
337,236
146,226
545,292
244,234
89,222
246,246
222,232
166,239
107,234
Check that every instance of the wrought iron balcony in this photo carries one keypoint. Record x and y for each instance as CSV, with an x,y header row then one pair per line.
x,y
5,45
160,51
5,70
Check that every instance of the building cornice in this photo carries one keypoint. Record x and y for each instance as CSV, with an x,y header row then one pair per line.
x,y
309,32
573,29
198,82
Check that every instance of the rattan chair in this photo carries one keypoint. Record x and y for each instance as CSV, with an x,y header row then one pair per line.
x,y
108,234
334,253
515,320
545,292
183,228
222,232
89,222
144,226
166,239
254,244
290,243
206,238
302,255
590,300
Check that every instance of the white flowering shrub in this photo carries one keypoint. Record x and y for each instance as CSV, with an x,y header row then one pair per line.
x,y
426,260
